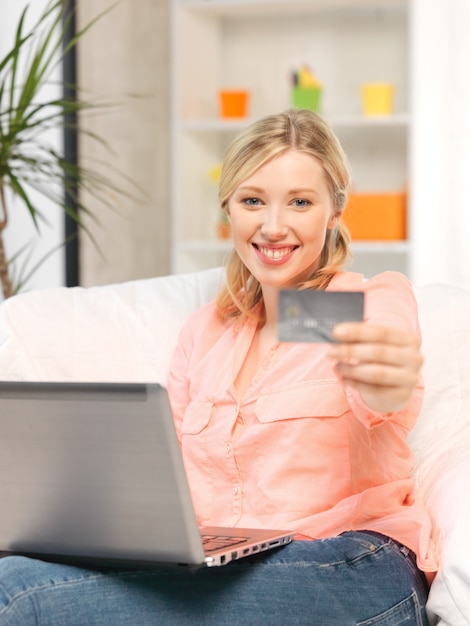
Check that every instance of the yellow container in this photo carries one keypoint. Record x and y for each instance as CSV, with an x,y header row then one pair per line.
x,y
376,216
377,99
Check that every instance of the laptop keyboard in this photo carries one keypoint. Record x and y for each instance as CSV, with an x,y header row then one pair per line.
x,y
218,542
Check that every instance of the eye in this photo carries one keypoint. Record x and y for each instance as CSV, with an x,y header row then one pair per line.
x,y
301,203
251,201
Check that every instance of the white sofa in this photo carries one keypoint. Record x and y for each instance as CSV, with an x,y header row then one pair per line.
x,y
127,332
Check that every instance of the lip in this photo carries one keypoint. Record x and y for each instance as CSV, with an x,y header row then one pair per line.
x,y
274,254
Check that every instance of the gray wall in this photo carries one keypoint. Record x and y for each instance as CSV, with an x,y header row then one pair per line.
x,y
124,58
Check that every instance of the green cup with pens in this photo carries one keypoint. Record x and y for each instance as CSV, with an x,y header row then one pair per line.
x,y
306,89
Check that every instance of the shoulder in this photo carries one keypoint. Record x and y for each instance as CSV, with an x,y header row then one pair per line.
x,y
395,281
199,331
390,289
389,297
208,314
205,312
203,326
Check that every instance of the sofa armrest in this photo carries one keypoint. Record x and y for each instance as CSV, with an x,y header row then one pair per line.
x,y
441,442
449,598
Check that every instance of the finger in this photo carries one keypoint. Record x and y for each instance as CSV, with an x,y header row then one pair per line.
x,y
386,354
352,332
381,398
378,376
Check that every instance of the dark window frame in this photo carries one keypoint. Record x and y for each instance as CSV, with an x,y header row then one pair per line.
x,y
69,72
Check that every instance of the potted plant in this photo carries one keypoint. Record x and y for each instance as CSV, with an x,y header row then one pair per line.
x,y
27,160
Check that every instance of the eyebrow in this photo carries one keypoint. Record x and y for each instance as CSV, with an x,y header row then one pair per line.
x,y
299,190
249,188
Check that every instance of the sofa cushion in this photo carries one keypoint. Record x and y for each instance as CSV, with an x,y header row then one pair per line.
x,y
124,332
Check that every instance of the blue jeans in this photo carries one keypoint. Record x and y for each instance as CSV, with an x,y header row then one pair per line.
x,y
358,578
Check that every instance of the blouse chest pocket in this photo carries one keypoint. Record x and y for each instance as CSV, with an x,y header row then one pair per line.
x,y
195,446
320,400
196,417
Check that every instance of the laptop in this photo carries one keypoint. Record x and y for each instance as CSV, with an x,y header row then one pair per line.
x,y
92,473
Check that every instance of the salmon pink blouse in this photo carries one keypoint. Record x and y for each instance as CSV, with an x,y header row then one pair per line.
x,y
300,451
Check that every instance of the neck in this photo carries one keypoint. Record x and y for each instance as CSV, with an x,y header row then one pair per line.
x,y
270,299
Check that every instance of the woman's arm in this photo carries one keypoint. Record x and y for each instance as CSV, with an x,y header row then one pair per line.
x,y
380,358
382,362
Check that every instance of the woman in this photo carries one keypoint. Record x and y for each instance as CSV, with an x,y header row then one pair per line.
x,y
310,437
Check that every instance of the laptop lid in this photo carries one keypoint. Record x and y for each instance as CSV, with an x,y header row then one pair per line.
x,y
94,471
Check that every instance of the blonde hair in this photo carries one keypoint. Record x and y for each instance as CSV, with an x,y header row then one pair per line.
x,y
307,132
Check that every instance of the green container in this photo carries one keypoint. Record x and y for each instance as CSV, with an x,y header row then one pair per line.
x,y
306,98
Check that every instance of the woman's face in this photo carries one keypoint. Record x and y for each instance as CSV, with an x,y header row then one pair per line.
x,y
280,216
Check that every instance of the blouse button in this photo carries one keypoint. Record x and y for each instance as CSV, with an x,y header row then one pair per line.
x,y
235,491
228,449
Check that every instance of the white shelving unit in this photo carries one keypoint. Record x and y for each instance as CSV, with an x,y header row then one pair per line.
x,y
255,44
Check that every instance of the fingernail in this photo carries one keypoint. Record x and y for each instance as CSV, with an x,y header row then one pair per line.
x,y
340,330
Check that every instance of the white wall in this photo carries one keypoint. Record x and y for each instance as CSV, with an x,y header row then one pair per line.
x,y
20,229
441,141
127,52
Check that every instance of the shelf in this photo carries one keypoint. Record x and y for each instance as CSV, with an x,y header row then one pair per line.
x,y
254,45
399,120
276,7
215,125
215,245
207,245
338,121
369,257
392,247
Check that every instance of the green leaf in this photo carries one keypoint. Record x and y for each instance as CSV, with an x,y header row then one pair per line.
x,y
15,53
18,188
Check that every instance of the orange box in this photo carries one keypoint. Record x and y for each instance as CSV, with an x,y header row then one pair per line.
x,y
380,216
233,104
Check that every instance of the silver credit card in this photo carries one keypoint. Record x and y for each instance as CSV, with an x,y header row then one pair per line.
x,y
309,315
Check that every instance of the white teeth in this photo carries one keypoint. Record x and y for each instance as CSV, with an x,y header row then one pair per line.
x,y
275,254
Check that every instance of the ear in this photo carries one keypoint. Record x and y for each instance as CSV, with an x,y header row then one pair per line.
x,y
333,221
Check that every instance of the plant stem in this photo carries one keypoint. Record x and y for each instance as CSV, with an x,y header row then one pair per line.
x,y
5,281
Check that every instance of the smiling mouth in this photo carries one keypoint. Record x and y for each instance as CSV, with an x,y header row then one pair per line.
x,y
275,253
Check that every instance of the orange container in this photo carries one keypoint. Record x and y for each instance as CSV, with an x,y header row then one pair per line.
x,y
233,104
377,217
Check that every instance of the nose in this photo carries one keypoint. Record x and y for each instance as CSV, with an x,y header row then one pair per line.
x,y
273,227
